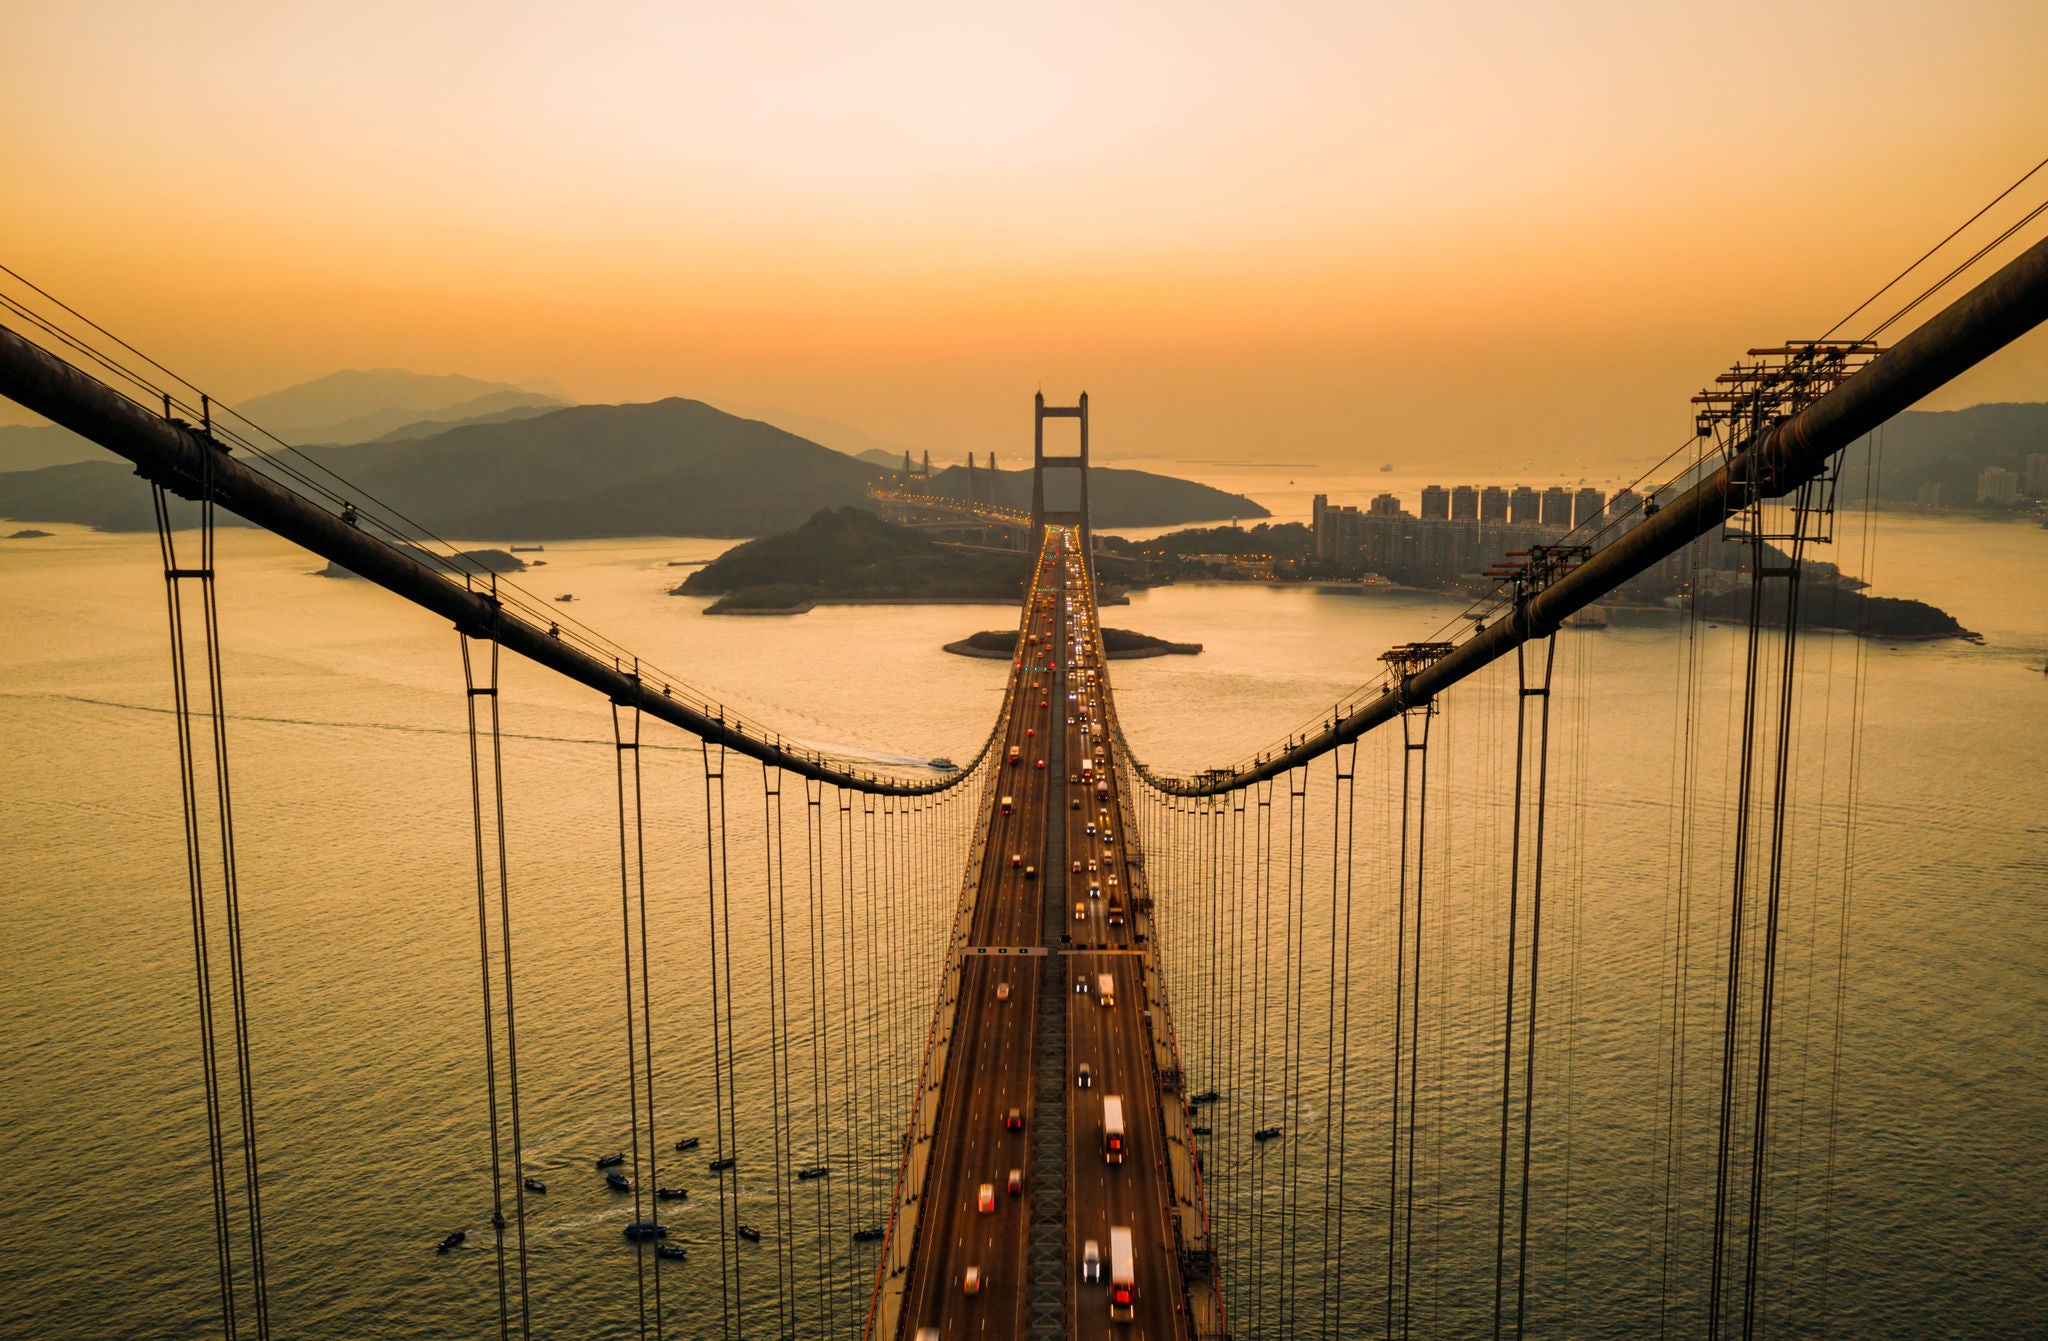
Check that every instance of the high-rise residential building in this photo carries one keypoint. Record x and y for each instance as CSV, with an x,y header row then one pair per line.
x,y
1625,508
1464,503
1436,503
1524,505
1386,505
1927,495
1557,506
2034,479
1998,487
1493,504
1587,505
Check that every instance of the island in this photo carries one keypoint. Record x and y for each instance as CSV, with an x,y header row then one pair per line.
x,y
30,533
1889,618
1118,644
849,556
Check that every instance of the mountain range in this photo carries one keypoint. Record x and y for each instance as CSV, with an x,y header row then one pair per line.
x,y
379,404
670,467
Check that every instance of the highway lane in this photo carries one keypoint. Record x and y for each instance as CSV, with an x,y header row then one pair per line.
x,y
1115,1040
992,1067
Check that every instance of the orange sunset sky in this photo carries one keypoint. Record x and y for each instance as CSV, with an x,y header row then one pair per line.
x,y
1468,234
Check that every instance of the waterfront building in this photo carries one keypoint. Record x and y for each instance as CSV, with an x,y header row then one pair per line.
x,y
2035,477
1436,503
1998,487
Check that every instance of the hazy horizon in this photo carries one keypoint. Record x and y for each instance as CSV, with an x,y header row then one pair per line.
x,y
1329,235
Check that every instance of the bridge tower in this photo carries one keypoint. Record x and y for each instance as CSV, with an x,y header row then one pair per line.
x,y
1040,462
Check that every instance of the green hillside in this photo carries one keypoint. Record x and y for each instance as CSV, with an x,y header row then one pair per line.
x,y
851,554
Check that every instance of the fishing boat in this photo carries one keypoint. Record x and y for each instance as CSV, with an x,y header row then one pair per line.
x,y
640,1231
610,1161
750,1234
687,1143
536,1185
721,1165
866,1235
814,1171
1205,1097
453,1241
674,1252
1266,1133
619,1182
672,1193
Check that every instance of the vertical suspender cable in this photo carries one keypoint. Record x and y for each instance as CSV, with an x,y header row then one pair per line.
x,y
632,871
492,984
195,879
717,909
773,856
1343,816
1535,967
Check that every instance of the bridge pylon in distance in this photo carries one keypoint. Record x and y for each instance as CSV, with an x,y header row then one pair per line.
x,y
1040,463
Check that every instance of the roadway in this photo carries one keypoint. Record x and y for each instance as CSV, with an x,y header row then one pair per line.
x,y
994,1056
993,1063
1114,1040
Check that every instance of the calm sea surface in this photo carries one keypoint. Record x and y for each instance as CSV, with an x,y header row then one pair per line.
x,y
352,805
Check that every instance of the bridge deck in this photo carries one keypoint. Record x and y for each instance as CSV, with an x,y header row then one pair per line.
x,y
1005,1050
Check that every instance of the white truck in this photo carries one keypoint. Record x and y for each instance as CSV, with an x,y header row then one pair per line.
x,y
1105,989
1123,1285
1112,1129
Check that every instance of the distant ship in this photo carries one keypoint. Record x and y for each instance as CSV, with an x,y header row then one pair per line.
x,y
529,549
1387,469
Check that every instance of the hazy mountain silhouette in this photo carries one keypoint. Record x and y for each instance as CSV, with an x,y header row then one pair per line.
x,y
673,467
357,405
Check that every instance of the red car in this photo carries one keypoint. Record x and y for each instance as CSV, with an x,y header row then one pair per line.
x,y
1041,763
1016,1182
1015,1122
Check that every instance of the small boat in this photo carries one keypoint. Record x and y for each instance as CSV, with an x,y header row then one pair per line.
x,y
536,1185
947,764
1199,1131
1205,1097
642,1230
529,549
619,1182
672,1193
611,1161
687,1143
1266,1133
565,598
453,1241
674,1252
866,1235
814,1171
721,1165
750,1234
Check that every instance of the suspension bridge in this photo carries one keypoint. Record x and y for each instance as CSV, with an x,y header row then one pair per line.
x,y
1058,1043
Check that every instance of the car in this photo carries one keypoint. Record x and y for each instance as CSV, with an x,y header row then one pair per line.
x,y
1030,872
1095,891
1091,1263
1041,763
1084,1079
1015,1121
1092,865
971,1282
1077,868
1016,860
1091,829
1030,730
985,1200
927,1334
1081,986
1002,991
1073,777
1016,1182
1080,912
